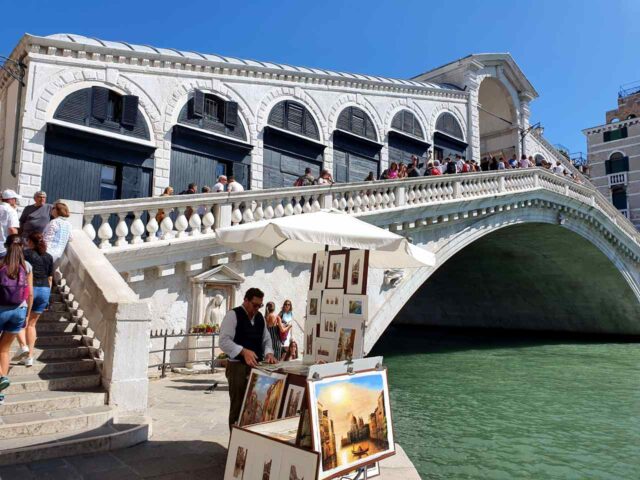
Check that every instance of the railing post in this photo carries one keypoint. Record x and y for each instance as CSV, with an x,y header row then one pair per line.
x,y
326,201
223,217
501,184
536,180
456,189
401,196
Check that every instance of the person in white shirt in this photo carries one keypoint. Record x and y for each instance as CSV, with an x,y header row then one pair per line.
x,y
234,186
9,221
222,181
558,169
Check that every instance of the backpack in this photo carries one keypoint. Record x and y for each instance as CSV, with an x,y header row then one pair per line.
x,y
299,182
13,291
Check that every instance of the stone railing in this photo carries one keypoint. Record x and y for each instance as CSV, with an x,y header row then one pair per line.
x,y
125,223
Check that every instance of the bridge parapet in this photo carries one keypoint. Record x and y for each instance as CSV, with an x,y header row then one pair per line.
x,y
128,224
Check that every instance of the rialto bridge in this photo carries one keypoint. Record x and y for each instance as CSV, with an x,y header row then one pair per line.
x,y
519,249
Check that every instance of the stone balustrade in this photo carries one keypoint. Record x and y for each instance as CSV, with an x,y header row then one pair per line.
x,y
125,223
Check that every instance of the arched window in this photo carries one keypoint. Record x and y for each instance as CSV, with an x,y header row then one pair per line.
x,y
210,112
405,121
633,115
448,124
617,163
356,121
104,109
294,117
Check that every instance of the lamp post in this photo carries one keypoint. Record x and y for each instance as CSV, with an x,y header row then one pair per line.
x,y
524,132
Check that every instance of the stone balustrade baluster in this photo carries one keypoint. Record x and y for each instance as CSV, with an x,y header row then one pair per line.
x,y
88,227
315,206
122,230
342,203
268,212
166,226
247,215
105,232
181,223
258,213
297,208
152,227
137,228
208,220
308,201
236,213
364,200
350,203
195,222
288,207
278,212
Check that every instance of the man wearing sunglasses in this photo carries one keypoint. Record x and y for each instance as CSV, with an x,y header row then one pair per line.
x,y
245,339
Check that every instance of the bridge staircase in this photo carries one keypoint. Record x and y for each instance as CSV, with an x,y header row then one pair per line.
x,y
58,406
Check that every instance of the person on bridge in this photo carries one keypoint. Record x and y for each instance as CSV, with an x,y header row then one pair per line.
x,y
246,341
233,185
35,218
219,186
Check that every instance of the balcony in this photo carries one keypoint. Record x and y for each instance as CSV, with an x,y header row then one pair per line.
x,y
617,179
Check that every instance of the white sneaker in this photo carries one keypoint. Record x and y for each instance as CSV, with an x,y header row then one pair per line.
x,y
28,362
23,352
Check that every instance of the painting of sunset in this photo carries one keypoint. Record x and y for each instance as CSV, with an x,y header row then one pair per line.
x,y
353,424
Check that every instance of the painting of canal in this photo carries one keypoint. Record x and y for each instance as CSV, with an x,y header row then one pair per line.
x,y
353,420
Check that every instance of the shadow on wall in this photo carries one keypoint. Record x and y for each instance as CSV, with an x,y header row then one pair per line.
x,y
529,277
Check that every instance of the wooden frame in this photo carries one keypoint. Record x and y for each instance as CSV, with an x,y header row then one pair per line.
x,y
356,306
329,325
319,270
337,269
356,340
325,350
248,419
332,302
314,305
315,422
357,272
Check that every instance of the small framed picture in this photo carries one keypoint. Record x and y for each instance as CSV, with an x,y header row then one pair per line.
x,y
293,402
310,333
337,269
350,340
329,325
332,301
319,270
357,272
314,305
325,350
355,306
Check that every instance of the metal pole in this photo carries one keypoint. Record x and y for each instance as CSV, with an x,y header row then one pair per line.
x,y
164,356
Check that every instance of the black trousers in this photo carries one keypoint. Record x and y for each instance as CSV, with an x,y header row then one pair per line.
x,y
237,374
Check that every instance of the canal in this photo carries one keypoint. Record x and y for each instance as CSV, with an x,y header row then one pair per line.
x,y
486,404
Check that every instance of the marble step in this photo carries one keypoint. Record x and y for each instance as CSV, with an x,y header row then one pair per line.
x,y
50,401
51,316
56,327
57,307
51,341
56,381
53,422
57,352
56,298
121,433
54,366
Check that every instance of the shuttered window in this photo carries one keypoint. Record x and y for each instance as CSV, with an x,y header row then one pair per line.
x,y
294,117
619,198
616,134
448,124
405,121
356,121
210,112
617,163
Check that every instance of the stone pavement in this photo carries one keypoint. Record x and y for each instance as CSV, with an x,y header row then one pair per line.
x,y
190,437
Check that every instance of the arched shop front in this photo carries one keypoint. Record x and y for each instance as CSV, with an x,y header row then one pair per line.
x,y
83,163
356,151
291,144
448,139
209,140
406,138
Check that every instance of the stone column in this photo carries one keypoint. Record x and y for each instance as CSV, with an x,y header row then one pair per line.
x,y
472,82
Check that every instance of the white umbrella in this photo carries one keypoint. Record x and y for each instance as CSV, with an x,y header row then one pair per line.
x,y
297,237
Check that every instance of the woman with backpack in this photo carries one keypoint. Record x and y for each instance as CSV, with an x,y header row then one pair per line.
x,y
16,298
42,265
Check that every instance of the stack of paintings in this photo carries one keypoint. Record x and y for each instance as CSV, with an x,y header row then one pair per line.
x,y
337,306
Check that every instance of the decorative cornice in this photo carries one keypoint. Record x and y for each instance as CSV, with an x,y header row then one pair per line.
x,y
40,47
610,126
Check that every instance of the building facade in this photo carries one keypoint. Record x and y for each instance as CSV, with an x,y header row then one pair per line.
x,y
613,153
99,120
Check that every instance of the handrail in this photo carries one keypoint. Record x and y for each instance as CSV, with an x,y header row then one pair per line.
x,y
199,214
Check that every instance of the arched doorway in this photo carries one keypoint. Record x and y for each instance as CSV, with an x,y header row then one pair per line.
x,y
97,148
499,131
209,140
291,144
356,150
407,138
448,139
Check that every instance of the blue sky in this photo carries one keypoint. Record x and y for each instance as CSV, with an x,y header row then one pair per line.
x,y
576,53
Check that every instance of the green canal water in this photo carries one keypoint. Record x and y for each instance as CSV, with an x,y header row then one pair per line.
x,y
491,405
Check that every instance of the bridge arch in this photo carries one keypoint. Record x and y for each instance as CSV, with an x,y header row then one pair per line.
x,y
537,246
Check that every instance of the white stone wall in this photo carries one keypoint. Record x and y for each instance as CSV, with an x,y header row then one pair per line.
x,y
164,91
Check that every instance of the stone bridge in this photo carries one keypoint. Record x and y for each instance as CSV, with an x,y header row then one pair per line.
x,y
515,249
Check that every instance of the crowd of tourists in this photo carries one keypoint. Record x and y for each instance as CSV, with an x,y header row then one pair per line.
x,y
30,246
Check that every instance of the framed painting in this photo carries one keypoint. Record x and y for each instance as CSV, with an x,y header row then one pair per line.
x,y
314,305
350,339
329,325
355,306
351,421
337,269
357,272
325,350
310,333
332,301
256,456
262,398
293,401
319,270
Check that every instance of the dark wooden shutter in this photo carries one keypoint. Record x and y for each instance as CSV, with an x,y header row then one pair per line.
x,y
343,120
276,117
198,103
231,113
99,102
129,110
294,117
310,127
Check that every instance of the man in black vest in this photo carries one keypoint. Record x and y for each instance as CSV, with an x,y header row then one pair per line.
x,y
245,339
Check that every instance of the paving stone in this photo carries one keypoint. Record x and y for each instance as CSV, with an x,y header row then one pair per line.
x,y
96,463
16,472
